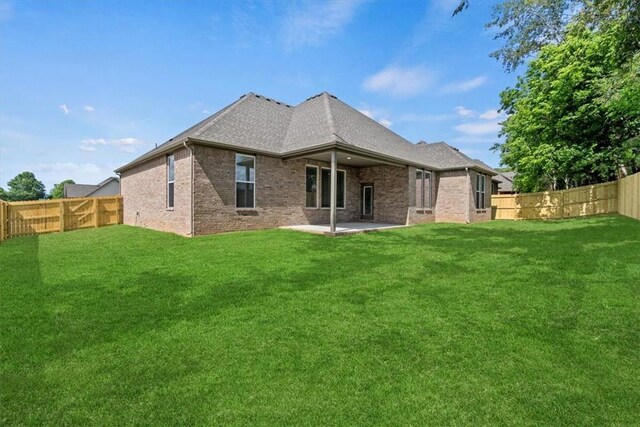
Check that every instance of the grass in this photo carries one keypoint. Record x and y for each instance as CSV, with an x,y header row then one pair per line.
x,y
495,323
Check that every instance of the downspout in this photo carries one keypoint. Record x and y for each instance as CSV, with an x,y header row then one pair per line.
x,y
192,226
469,187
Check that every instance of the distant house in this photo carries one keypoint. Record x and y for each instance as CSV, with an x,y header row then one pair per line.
x,y
260,163
108,187
503,183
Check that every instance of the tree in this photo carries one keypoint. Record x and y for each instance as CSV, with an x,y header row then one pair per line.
x,y
25,186
574,116
57,192
3,194
526,26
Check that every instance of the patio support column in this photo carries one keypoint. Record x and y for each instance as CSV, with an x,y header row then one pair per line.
x,y
334,188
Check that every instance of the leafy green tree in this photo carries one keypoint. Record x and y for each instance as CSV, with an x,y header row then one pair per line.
x,y
525,26
57,192
574,116
25,186
3,194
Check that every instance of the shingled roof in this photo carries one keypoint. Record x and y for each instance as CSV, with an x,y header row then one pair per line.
x,y
447,157
259,124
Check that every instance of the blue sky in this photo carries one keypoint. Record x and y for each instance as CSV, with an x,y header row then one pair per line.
x,y
86,86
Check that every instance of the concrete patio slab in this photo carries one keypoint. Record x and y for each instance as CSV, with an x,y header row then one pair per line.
x,y
343,229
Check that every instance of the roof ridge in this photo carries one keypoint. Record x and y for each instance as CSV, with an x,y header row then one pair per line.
x,y
332,125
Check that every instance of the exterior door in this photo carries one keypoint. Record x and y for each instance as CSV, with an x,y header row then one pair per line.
x,y
367,201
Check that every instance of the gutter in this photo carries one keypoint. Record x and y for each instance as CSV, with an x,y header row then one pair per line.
x,y
191,224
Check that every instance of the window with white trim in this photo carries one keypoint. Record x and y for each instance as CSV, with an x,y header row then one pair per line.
x,y
341,189
311,193
245,181
480,188
427,190
171,162
423,189
419,189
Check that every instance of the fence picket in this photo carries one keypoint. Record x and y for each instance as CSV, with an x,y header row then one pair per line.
x,y
621,196
47,216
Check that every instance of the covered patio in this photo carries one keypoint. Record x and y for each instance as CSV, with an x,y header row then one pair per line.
x,y
343,228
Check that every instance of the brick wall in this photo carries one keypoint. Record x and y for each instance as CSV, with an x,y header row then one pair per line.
x,y
416,215
391,192
280,193
144,192
452,203
478,215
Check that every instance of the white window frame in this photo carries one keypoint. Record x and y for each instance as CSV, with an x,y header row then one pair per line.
x,y
420,203
168,163
344,193
421,206
364,192
319,178
481,183
255,176
428,206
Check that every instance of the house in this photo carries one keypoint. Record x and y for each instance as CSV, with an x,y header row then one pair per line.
x,y
260,163
503,183
108,187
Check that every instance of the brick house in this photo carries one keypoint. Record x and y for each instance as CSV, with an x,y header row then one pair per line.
x,y
259,163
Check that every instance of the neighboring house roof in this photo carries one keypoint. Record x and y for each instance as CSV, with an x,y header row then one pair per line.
x,y
85,190
505,181
259,124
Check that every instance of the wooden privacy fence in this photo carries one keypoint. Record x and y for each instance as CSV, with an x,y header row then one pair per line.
x,y
46,216
621,196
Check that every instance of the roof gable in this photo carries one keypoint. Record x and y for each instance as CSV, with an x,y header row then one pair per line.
x,y
258,124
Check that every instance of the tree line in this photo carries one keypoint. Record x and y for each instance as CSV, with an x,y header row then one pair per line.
x,y
25,186
573,117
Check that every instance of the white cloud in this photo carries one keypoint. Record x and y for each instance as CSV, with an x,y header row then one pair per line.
x,y
464,86
91,141
386,122
367,113
398,81
89,108
64,108
127,145
373,116
491,114
206,112
479,128
464,112
314,22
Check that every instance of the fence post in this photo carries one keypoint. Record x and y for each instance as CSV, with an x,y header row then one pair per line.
x,y
95,213
3,222
562,204
62,215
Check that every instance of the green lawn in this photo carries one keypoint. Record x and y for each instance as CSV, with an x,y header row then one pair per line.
x,y
495,323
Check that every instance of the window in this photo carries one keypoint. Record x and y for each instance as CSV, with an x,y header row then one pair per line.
x,y
423,189
245,181
419,189
326,188
427,190
480,186
312,187
171,162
